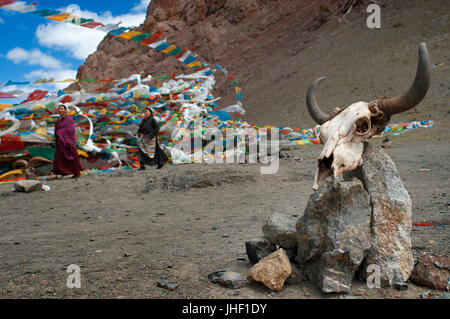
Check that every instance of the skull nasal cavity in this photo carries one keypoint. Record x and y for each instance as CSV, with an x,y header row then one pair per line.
x,y
362,125
327,162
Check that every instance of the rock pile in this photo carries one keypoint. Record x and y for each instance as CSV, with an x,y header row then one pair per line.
x,y
349,227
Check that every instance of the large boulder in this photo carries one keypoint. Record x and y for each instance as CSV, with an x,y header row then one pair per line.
x,y
272,271
280,230
333,235
391,227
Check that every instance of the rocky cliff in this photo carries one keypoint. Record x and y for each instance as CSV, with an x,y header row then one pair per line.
x,y
265,44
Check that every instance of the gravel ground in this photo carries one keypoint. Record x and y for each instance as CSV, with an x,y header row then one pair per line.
x,y
129,230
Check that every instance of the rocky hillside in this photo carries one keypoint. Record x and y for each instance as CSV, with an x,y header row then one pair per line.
x,y
276,48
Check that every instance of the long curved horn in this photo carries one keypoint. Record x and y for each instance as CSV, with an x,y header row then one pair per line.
x,y
39,160
416,93
20,163
313,108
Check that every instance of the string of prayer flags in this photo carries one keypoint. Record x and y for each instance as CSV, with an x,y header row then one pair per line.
x,y
151,40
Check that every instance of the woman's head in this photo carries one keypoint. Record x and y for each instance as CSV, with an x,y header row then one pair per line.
x,y
62,110
148,112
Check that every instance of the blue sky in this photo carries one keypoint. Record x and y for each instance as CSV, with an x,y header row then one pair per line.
x,y
33,47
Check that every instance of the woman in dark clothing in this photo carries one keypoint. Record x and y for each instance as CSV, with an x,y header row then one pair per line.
x,y
149,151
66,160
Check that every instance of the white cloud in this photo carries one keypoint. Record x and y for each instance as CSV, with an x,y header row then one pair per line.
x,y
34,57
142,6
80,42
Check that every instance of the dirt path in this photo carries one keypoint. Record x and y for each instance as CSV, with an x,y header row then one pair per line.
x,y
128,230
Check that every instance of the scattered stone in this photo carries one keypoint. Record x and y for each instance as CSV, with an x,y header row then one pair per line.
x,y
333,234
391,247
360,293
227,279
401,285
259,248
241,259
173,286
272,270
120,279
306,292
28,186
168,285
432,272
280,230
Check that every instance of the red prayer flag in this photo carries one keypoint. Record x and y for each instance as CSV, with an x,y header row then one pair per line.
x,y
5,2
152,39
105,80
7,96
66,99
10,143
92,24
36,96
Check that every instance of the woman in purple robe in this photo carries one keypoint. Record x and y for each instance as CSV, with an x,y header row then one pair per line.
x,y
66,160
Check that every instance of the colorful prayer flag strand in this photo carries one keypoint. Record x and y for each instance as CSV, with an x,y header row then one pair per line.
x,y
151,40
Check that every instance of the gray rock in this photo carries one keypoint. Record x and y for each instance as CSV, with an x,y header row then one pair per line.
x,y
28,186
280,230
391,226
171,286
227,279
258,249
401,285
333,234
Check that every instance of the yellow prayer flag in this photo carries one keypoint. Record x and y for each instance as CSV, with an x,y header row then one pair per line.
x,y
130,34
62,17
67,80
238,90
4,106
169,49
194,64
41,132
82,153
38,107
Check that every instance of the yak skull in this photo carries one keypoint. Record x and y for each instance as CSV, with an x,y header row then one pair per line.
x,y
342,133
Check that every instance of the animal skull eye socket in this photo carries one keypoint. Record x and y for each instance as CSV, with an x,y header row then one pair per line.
x,y
362,125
